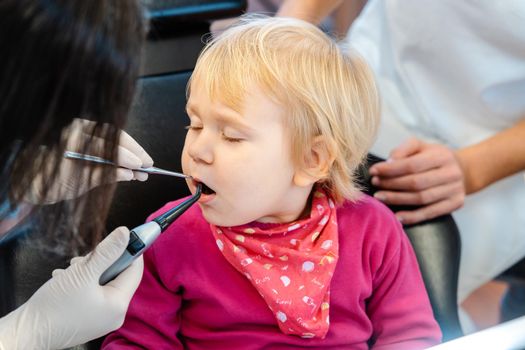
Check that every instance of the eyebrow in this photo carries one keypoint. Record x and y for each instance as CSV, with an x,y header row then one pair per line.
x,y
229,118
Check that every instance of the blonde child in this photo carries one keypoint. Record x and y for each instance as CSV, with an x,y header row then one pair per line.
x,y
282,251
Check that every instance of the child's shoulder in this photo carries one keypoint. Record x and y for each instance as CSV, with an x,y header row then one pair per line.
x,y
372,220
367,209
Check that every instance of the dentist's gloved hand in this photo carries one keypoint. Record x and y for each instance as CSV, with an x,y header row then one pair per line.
x,y
72,308
72,179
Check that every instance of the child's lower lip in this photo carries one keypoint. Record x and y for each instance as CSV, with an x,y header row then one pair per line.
x,y
205,198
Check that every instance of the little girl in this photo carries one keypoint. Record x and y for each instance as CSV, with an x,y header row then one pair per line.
x,y
282,251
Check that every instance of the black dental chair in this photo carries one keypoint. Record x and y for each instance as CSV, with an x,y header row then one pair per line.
x,y
512,304
437,245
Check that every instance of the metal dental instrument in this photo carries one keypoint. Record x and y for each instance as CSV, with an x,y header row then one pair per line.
x,y
150,170
143,236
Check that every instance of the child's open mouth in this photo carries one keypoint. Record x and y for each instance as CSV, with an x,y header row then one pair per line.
x,y
207,193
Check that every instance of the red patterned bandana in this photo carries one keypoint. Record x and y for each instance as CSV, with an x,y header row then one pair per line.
x,y
291,265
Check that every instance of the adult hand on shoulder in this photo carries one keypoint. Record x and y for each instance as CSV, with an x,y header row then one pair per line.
x,y
72,308
73,175
422,174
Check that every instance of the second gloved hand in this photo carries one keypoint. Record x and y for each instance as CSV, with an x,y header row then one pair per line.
x,y
72,308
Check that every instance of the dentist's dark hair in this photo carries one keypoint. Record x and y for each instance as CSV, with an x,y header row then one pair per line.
x,y
61,60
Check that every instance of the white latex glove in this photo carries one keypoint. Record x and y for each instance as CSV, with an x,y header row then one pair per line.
x,y
72,308
68,185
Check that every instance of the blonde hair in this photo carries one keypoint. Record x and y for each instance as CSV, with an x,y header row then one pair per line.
x,y
323,91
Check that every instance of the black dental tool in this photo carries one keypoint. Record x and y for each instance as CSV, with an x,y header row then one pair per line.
x,y
143,236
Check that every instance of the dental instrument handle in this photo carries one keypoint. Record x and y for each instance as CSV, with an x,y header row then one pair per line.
x,y
87,157
149,170
143,236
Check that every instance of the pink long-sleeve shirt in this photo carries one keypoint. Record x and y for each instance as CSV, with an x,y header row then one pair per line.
x,y
191,298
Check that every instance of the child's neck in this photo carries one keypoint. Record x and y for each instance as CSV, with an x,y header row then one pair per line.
x,y
307,208
304,212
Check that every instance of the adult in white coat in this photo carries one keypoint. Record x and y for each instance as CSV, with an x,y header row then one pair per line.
x,y
452,81
63,59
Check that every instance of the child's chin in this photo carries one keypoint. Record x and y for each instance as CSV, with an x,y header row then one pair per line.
x,y
220,220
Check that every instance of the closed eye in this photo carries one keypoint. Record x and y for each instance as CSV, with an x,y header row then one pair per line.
x,y
231,139
191,127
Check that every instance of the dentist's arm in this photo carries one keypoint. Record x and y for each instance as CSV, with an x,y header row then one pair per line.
x,y
72,308
493,159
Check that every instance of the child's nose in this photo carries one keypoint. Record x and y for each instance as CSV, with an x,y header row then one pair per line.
x,y
200,149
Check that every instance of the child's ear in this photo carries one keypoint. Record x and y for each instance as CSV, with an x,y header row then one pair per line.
x,y
316,164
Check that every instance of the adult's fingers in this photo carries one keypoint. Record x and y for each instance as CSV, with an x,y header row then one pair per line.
x,y
131,155
429,158
57,272
419,181
133,146
140,176
76,260
425,197
109,250
120,290
430,211
407,148
128,280
123,174
128,159
98,147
